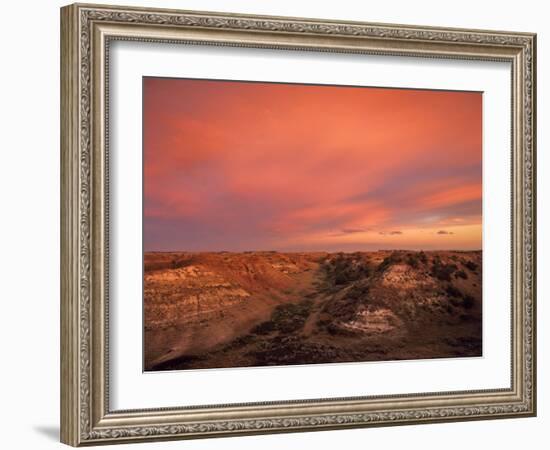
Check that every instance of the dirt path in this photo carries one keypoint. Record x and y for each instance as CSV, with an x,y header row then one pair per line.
x,y
319,302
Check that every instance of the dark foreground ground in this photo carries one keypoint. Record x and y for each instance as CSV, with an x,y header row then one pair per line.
x,y
207,310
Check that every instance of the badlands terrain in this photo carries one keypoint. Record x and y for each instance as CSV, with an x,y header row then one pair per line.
x,y
208,310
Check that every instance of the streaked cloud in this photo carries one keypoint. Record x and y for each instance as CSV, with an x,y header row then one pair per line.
x,y
249,166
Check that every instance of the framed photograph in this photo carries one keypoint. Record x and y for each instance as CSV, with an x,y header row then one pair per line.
x,y
275,224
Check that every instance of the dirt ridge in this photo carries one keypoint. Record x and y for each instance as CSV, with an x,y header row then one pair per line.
x,y
206,310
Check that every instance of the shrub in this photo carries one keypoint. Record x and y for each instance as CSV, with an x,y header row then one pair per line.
x,y
461,274
241,341
285,318
341,278
346,307
412,260
443,271
357,292
346,269
264,328
289,317
422,257
470,265
457,301
468,301
452,291
388,261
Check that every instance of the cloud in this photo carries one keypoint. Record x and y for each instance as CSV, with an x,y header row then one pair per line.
x,y
353,230
347,231
303,175
444,232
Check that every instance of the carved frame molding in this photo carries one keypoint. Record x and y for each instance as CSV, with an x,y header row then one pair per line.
x,y
86,31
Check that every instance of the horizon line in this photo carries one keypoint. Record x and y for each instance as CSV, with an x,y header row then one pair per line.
x,y
316,251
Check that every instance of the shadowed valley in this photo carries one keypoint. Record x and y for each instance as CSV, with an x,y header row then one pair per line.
x,y
212,310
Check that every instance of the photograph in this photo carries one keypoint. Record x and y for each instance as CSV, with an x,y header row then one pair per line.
x,y
295,224
290,220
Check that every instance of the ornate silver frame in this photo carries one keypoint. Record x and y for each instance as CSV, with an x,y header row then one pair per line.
x,y
86,31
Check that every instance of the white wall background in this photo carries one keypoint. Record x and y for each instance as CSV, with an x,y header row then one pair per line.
x,y
29,225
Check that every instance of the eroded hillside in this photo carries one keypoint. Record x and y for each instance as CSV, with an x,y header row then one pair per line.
x,y
205,310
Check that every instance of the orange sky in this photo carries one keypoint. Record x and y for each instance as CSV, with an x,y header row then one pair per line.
x,y
262,166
